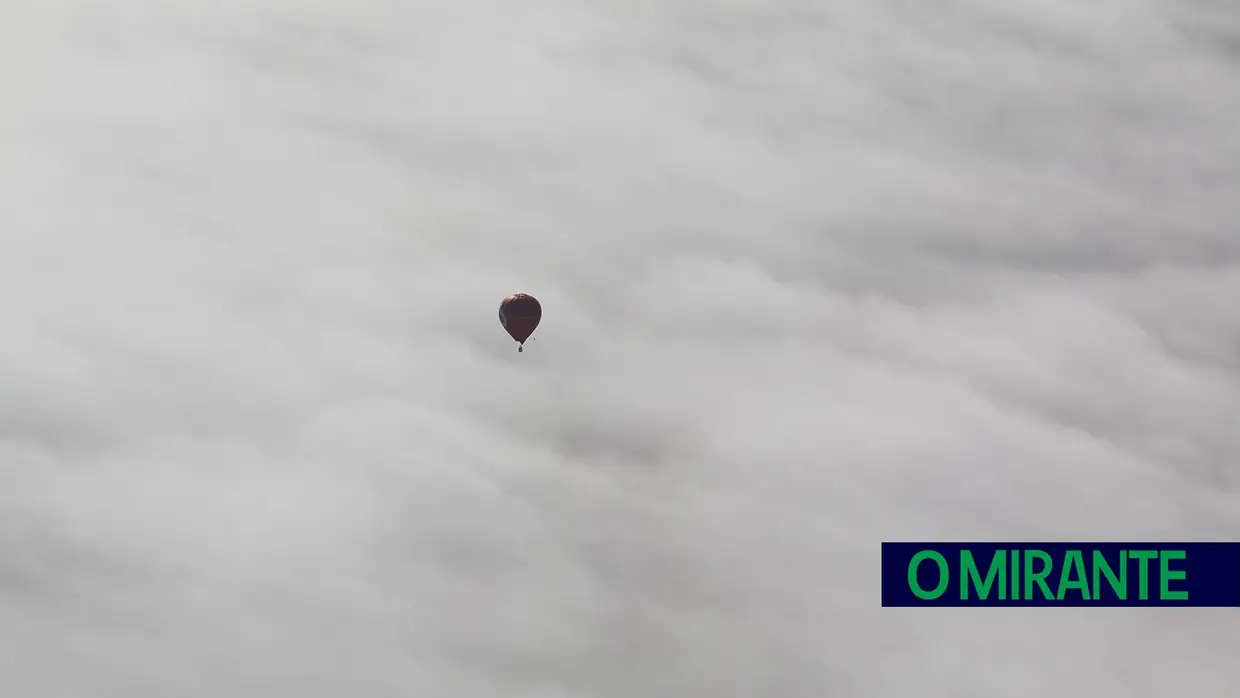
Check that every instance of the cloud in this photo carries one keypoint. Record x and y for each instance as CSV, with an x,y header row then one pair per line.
x,y
815,277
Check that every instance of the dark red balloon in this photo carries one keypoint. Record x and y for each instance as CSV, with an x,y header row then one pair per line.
x,y
520,314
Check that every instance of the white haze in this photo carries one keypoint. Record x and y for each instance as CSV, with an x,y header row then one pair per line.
x,y
815,275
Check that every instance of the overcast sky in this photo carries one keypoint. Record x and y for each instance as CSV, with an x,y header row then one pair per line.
x,y
815,275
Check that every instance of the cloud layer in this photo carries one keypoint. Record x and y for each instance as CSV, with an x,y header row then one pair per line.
x,y
814,277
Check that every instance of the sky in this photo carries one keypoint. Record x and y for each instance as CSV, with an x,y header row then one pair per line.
x,y
815,275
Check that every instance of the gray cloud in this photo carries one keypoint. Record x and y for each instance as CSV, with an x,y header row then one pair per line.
x,y
815,277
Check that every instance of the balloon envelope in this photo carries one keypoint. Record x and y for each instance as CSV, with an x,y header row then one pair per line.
x,y
520,314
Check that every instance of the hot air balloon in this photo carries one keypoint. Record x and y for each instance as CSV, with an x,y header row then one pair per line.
x,y
519,314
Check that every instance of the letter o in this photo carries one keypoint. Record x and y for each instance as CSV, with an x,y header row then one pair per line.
x,y
944,575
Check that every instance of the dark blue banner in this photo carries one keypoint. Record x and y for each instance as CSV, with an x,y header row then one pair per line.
x,y
1061,574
